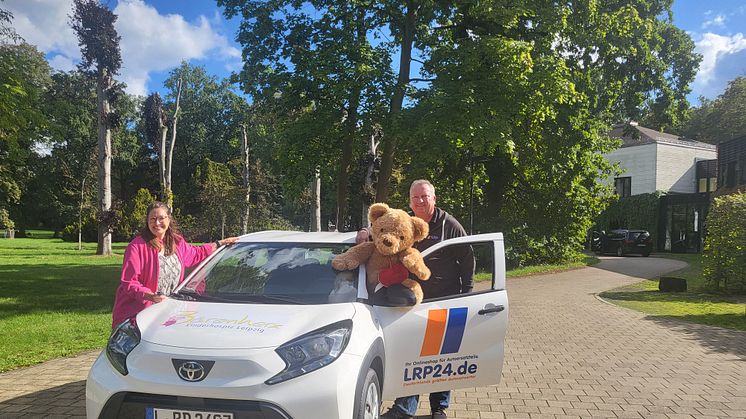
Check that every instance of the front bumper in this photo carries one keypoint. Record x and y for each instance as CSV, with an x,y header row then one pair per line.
x,y
235,384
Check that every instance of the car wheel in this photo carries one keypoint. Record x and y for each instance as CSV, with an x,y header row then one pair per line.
x,y
370,398
646,254
619,251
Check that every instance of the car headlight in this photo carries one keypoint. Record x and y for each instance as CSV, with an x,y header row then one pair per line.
x,y
312,350
122,341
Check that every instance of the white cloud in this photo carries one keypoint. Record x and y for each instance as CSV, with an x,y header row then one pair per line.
x,y
714,48
718,20
155,42
44,23
150,42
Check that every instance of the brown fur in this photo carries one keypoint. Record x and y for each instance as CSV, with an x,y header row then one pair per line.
x,y
394,232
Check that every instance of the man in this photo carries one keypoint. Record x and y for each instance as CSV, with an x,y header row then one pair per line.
x,y
452,273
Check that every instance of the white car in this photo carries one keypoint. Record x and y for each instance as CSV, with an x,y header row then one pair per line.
x,y
266,329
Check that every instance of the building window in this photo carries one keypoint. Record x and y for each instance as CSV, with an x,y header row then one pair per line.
x,y
623,186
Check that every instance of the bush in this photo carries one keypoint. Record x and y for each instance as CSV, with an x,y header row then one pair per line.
x,y
5,221
131,217
90,230
724,255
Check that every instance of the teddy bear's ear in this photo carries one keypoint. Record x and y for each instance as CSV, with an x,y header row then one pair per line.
x,y
377,210
421,229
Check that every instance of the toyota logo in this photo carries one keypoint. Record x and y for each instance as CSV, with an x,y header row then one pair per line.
x,y
192,371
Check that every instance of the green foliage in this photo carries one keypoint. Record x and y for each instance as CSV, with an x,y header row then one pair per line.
x,y
720,119
5,221
131,217
93,23
724,255
89,230
635,212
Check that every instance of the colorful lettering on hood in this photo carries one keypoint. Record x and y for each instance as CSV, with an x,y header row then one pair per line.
x,y
193,319
444,331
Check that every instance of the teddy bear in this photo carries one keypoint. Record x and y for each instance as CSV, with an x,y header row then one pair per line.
x,y
394,232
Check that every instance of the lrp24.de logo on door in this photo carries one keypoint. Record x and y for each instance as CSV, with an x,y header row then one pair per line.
x,y
444,333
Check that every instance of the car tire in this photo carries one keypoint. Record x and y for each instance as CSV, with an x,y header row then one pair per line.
x,y
369,405
619,251
646,254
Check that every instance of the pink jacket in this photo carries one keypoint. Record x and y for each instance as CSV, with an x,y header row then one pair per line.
x,y
140,270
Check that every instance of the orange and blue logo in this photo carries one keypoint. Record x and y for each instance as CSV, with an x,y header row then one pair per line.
x,y
444,331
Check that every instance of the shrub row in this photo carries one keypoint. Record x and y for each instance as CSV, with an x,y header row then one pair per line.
x,y
724,255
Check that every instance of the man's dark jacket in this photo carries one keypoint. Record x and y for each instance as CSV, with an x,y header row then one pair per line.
x,y
452,268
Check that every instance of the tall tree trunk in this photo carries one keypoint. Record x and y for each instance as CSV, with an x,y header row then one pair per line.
x,y
174,120
246,178
103,193
164,190
397,100
316,204
344,162
350,129
368,191
80,215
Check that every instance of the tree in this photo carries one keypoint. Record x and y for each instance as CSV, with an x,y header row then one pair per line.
x,y
99,45
24,78
326,74
156,129
721,119
218,195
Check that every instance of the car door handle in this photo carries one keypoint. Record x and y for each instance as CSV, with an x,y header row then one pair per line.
x,y
493,309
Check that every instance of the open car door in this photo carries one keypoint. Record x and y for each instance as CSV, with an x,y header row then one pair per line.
x,y
450,342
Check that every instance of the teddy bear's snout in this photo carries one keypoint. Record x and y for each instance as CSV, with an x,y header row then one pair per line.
x,y
387,242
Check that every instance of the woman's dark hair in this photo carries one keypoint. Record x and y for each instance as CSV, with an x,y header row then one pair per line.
x,y
172,233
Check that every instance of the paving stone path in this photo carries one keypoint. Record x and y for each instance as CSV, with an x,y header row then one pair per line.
x,y
568,355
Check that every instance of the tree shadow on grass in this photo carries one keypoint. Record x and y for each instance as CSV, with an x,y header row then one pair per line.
x,y
65,401
60,288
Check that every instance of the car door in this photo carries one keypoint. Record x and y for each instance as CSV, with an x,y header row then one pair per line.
x,y
449,342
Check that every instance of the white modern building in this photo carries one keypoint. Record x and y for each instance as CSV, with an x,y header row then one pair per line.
x,y
655,161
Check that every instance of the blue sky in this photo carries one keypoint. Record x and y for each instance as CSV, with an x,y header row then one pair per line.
x,y
158,34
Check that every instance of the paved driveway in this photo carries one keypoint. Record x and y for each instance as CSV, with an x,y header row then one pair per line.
x,y
568,354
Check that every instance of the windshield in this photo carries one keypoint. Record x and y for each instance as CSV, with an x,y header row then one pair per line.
x,y
286,273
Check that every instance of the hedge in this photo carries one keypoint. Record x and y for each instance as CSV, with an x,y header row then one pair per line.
x,y
724,255
638,212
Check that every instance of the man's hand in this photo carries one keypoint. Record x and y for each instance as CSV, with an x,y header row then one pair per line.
x,y
362,236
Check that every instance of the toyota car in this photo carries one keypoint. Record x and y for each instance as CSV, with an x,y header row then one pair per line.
x,y
266,328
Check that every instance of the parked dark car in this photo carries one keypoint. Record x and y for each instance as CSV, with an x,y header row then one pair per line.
x,y
621,242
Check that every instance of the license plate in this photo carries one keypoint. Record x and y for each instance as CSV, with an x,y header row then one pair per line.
x,y
641,245
157,413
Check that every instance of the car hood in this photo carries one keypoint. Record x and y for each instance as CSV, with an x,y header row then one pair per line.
x,y
200,325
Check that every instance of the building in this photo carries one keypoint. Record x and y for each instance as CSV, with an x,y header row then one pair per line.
x,y
732,164
655,161
685,171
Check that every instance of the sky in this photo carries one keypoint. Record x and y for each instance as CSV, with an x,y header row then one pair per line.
x,y
158,34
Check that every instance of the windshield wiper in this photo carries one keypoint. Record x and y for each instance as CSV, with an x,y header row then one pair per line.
x,y
276,298
195,296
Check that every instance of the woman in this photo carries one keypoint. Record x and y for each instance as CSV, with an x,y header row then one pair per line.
x,y
154,263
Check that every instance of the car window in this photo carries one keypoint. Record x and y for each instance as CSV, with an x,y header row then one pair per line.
x,y
474,262
633,235
287,272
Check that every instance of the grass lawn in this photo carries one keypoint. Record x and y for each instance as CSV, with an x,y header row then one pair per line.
x,y
54,300
697,305
539,269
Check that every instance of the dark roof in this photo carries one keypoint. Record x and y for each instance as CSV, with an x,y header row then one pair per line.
x,y
634,135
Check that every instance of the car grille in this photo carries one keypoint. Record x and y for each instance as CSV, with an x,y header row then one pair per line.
x,y
128,405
